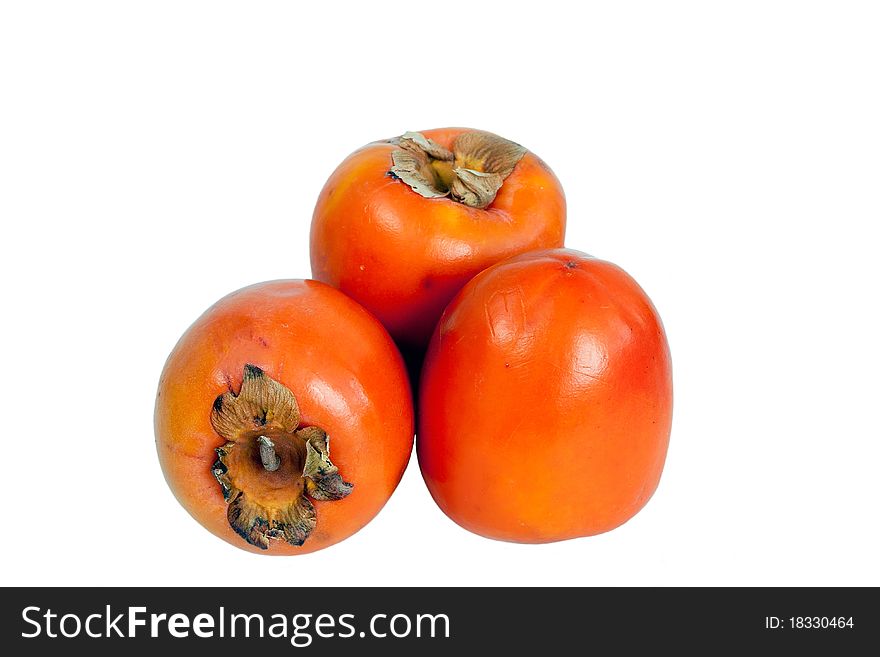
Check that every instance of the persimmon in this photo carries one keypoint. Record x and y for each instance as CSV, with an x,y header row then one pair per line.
x,y
546,400
403,224
251,400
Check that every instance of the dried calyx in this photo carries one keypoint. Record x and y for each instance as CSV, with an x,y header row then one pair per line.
x,y
270,466
471,173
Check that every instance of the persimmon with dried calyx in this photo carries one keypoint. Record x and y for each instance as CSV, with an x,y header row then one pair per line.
x,y
546,400
403,224
251,400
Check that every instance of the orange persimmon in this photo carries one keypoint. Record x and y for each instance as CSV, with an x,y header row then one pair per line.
x,y
546,400
253,397
403,224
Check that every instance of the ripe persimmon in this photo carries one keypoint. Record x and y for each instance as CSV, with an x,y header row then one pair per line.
x,y
546,400
403,224
251,400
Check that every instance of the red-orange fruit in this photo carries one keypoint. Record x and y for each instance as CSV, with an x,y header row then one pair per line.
x,y
403,224
284,417
546,400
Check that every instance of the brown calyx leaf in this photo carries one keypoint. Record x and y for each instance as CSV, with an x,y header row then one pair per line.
x,y
323,481
416,141
473,187
411,163
262,403
259,524
487,152
269,464
471,173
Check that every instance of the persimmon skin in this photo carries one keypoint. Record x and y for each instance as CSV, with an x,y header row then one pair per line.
x,y
347,377
546,400
404,257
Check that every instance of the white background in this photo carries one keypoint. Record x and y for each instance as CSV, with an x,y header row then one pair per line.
x,y
155,156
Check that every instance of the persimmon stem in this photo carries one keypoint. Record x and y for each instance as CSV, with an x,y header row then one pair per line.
x,y
271,461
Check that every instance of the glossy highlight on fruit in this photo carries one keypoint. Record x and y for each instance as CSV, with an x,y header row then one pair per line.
x,y
403,224
284,417
546,400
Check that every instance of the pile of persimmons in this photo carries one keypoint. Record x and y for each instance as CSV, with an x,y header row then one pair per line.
x,y
542,386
